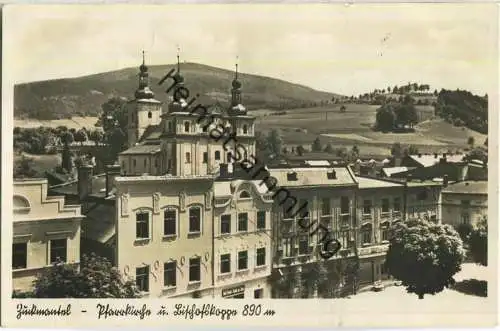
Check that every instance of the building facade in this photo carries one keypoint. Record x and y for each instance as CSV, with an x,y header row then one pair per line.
x,y
465,202
304,199
45,231
242,239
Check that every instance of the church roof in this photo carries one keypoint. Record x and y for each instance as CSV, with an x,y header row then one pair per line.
x,y
152,132
142,149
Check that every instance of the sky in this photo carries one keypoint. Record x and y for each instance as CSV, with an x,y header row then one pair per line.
x,y
346,49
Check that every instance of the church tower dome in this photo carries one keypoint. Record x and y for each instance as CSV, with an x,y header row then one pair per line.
x,y
144,92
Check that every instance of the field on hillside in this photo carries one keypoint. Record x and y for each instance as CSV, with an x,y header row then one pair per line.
x,y
75,122
302,126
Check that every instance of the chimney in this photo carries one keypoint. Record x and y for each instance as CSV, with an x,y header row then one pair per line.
x,y
419,154
112,171
84,180
445,180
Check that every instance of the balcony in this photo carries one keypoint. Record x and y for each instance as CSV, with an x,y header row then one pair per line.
x,y
378,249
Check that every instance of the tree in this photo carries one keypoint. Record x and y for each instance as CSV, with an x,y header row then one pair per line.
x,y
274,143
96,136
470,141
66,162
316,145
97,278
24,168
385,118
478,242
396,149
81,136
300,150
329,148
424,256
464,230
67,137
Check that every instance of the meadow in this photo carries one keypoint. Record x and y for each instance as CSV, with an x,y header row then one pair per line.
x,y
353,127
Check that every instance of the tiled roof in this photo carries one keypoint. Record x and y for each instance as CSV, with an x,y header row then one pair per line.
x,y
152,132
312,177
468,187
142,149
71,188
366,183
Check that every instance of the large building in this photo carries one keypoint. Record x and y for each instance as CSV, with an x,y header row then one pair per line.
x,y
305,198
46,230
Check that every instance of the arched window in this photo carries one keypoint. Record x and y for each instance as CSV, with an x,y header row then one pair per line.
x,y
186,126
21,204
217,155
244,195
150,114
245,129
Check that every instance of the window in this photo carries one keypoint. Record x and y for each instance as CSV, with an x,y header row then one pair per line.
x,y
157,163
242,222
142,225
195,219
169,126
229,157
385,231
258,293
242,260
397,204
186,126
150,114
58,250
367,234
325,206
142,278
217,155
344,239
261,256
194,269
205,157
145,163
225,224
188,157
287,246
19,255
303,245
367,207
225,263
344,205
385,205
245,129
261,220
169,222
245,195
133,162
204,128
170,274
465,218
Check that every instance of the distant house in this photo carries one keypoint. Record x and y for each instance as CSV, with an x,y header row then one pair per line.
x,y
465,202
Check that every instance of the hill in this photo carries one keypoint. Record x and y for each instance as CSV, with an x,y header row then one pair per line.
x,y
83,96
462,108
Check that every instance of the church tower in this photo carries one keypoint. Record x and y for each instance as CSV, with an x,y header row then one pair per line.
x,y
144,110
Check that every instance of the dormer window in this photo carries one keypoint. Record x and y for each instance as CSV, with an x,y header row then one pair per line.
x,y
331,174
291,176
186,126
